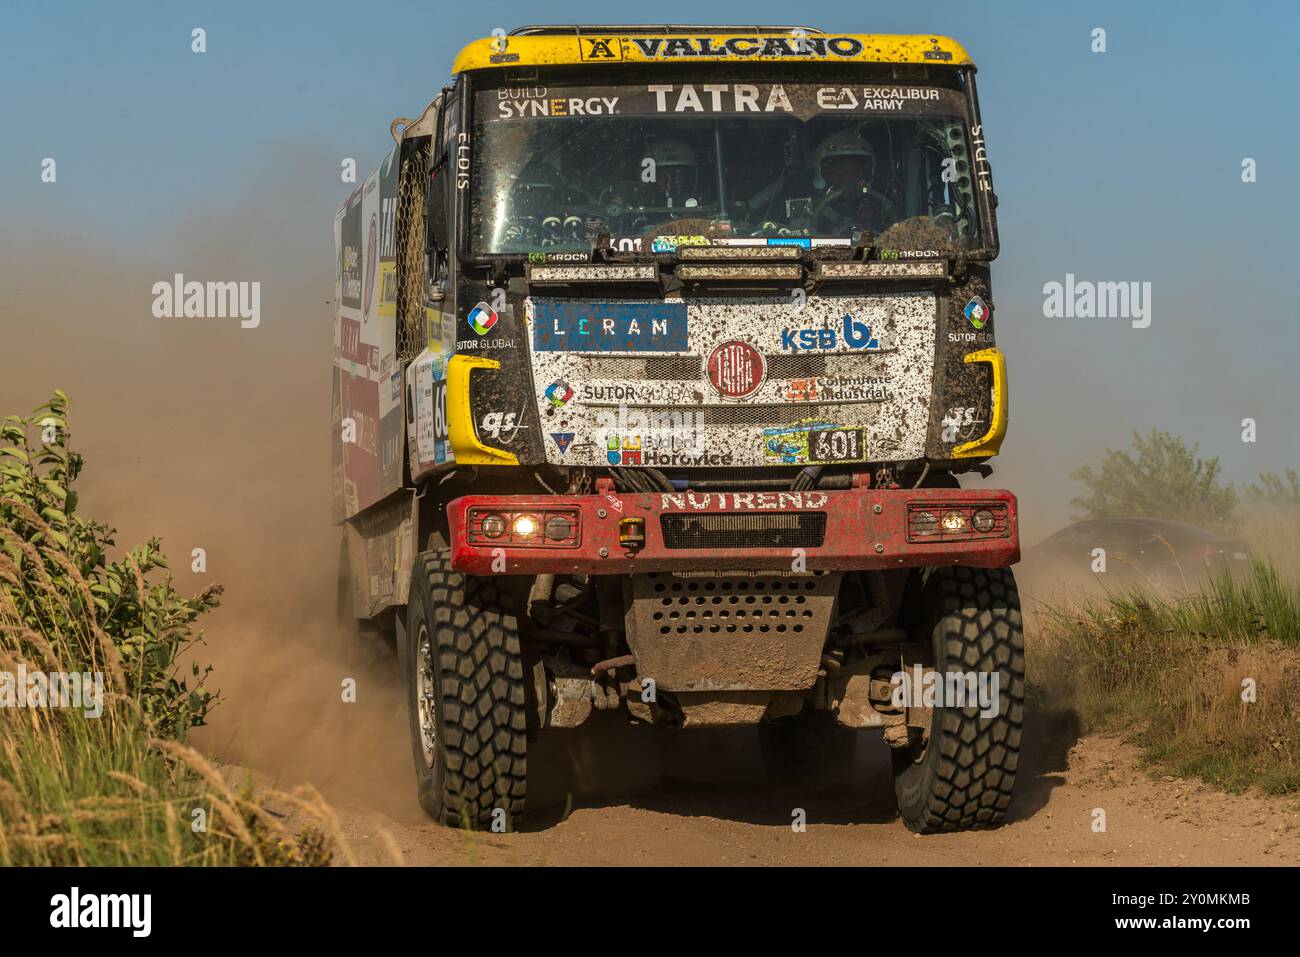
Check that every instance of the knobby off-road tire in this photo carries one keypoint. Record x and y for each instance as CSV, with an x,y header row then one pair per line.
x,y
464,678
962,779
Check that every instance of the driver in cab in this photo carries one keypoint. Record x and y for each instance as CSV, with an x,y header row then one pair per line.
x,y
844,170
673,183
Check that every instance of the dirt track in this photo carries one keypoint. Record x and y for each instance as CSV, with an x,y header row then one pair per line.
x,y
731,815
637,795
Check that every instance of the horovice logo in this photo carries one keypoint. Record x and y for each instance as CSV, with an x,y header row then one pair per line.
x,y
562,440
482,318
600,48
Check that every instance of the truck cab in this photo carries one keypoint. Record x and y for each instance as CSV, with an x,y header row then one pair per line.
x,y
660,353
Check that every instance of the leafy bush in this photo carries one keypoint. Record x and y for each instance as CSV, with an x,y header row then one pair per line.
x,y
1272,490
58,582
1165,479
118,787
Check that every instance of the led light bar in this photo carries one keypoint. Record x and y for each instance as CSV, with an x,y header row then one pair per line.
x,y
645,272
697,253
929,269
740,272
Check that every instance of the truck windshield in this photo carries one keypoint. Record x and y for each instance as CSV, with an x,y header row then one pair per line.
x,y
660,165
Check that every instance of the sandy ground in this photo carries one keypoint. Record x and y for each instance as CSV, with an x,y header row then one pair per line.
x,y
704,800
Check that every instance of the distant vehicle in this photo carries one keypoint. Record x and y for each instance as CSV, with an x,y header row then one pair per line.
x,y
1155,552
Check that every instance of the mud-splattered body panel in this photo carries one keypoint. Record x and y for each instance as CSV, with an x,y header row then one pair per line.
x,y
733,382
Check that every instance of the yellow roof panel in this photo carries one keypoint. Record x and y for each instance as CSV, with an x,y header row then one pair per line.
x,y
710,47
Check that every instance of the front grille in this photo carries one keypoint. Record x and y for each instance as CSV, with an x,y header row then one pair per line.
x,y
792,413
673,367
691,368
795,367
744,530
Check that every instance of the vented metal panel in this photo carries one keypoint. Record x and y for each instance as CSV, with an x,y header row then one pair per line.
x,y
687,368
744,530
731,634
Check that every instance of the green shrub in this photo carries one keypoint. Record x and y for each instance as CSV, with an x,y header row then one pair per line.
x,y
118,787
58,582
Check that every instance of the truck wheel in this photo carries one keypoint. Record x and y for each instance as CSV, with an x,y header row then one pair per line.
x,y
960,776
465,697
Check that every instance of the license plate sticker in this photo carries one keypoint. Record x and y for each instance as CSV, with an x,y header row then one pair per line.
x,y
837,445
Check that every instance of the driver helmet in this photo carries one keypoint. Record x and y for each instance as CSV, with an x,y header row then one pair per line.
x,y
676,170
846,143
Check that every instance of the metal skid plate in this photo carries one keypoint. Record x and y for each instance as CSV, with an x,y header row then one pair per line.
x,y
693,632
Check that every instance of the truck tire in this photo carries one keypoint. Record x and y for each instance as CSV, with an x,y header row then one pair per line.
x,y
464,679
961,778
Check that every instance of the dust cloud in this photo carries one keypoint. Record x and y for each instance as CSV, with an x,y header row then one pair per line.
x,y
212,436
216,437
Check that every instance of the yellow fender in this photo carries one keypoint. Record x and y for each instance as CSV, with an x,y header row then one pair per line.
x,y
991,441
460,416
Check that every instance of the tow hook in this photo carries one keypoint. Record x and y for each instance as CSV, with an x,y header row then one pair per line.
x,y
631,533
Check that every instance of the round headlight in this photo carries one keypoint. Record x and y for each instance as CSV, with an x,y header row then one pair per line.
x,y
954,522
493,526
525,525
924,523
983,520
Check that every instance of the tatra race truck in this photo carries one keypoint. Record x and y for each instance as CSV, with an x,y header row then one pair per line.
x,y
660,353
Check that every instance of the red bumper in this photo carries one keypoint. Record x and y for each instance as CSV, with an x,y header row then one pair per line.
x,y
854,529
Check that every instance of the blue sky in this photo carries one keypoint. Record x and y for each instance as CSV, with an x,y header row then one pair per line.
x,y
1116,166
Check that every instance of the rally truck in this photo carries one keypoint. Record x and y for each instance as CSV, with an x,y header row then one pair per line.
x,y
660,353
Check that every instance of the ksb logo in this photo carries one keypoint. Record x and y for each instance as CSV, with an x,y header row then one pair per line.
x,y
853,335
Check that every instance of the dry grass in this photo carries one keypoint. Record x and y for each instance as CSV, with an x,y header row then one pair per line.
x,y
1208,684
82,790
111,781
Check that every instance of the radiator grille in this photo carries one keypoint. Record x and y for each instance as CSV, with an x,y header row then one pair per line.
x,y
791,413
744,530
691,368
